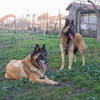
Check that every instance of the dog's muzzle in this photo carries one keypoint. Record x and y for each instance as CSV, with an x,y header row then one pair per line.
x,y
43,64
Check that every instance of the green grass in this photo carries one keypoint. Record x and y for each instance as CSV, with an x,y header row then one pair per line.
x,y
80,83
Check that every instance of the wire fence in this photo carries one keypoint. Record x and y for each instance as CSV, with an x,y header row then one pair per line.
x,y
88,27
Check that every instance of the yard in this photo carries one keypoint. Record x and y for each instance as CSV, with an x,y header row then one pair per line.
x,y
80,83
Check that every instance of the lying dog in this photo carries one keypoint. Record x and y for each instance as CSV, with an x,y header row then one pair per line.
x,y
32,67
70,43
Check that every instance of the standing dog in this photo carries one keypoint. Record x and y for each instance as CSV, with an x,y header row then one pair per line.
x,y
32,67
71,46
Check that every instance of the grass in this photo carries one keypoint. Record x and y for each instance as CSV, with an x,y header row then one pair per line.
x,y
80,83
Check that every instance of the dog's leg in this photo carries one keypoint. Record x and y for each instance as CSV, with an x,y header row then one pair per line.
x,y
62,48
71,54
74,58
47,81
6,75
82,51
63,60
70,60
83,58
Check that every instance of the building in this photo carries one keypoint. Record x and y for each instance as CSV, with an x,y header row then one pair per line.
x,y
49,23
6,22
84,17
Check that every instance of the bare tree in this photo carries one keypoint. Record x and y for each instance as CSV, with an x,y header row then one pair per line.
x,y
98,20
96,2
79,1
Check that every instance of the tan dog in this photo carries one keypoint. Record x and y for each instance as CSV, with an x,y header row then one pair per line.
x,y
32,67
70,47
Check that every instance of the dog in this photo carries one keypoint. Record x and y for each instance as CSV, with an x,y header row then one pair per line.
x,y
70,45
32,67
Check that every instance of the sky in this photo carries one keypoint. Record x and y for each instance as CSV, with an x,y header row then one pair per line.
x,y
22,7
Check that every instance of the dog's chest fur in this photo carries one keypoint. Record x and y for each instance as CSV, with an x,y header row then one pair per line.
x,y
29,68
19,65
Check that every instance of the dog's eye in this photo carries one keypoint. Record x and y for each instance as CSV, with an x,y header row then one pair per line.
x,y
42,56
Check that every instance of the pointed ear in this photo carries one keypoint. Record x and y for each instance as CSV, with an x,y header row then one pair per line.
x,y
43,47
66,22
36,48
72,22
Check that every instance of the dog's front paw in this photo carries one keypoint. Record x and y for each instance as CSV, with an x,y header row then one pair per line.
x,y
53,82
69,67
82,64
61,68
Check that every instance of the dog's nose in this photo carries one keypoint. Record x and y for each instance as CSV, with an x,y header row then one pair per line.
x,y
46,61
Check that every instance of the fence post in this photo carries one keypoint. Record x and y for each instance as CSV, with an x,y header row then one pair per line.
x,y
78,26
59,23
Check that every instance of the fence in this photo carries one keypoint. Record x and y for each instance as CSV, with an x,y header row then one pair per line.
x,y
88,25
43,24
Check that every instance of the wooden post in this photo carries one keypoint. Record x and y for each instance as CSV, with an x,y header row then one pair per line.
x,y
47,21
3,25
44,33
98,28
78,26
59,23
15,25
75,21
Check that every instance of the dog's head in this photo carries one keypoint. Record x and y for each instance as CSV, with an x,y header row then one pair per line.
x,y
38,56
69,22
69,26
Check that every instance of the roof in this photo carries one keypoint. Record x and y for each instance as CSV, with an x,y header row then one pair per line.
x,y
82,6
45,16
6,16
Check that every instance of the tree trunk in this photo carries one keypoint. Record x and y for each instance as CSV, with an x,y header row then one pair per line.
x,y
98,28
98,19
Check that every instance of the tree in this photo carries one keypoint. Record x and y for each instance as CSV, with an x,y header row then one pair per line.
x,y
96,2
98,20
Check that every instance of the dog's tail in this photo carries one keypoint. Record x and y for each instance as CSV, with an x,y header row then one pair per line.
x,y
80,41
84,45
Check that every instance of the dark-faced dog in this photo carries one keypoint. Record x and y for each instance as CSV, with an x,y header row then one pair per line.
x,y
70,43
32,67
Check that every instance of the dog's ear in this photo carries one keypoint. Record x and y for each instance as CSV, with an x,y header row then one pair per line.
x,y
43,47
66,22
72,22
37,48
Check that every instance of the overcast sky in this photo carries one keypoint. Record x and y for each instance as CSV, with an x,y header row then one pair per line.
x,y
20,7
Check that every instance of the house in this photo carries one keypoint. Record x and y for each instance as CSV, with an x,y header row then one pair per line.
x,y
6,21
49,23
84,17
